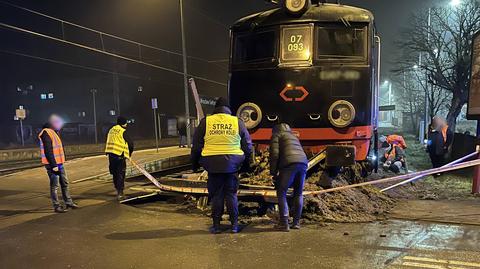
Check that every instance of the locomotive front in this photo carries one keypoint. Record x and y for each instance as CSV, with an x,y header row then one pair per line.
x,y
316,70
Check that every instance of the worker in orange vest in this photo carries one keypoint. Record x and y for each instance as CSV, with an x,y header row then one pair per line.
x,y
440,141
394,157
53,157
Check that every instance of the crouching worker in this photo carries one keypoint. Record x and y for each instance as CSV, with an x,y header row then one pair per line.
x,y
394,158
222,145
119,147
53,157
288,166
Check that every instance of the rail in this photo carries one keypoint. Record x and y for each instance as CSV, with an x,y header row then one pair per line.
x,y
272,193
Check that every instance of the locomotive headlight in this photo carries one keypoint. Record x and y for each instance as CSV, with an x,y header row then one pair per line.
x,y
250,114
341,113
295,7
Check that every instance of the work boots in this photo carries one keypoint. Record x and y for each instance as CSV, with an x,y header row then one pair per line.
x,y
235,227
215,229
295,225
282,225
120,196
60,209
72,205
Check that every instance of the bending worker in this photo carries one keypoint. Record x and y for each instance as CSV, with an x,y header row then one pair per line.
x,y
222,145
119,147
53,157
394,158
288,166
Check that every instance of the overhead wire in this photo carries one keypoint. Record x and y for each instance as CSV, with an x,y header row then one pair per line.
x,y
82,66
15,28
64,22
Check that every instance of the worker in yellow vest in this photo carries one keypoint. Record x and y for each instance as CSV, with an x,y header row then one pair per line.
x,y
119,147
222,145
53,157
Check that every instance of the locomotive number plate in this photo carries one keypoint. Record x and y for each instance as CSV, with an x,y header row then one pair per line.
x,y
296,43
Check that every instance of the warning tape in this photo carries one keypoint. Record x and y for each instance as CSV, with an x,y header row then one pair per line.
x,y
471,155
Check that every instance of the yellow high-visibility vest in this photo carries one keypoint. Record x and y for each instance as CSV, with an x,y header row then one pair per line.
x,y
222,136
116,144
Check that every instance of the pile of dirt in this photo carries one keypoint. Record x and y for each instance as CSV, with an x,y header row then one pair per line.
x,y
354,205
260,174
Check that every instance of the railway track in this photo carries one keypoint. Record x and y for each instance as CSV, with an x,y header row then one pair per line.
x,y
11,167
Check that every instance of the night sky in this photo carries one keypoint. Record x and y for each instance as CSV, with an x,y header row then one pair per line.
x,y
153,22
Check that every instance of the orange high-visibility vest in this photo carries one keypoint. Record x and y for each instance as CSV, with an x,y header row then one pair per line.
x,y
392,154
57,146
444,133
397,140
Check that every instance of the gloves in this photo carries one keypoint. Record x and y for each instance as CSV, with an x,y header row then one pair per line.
x,y
246,168
57,169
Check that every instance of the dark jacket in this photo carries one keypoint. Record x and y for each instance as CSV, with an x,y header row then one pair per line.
x,y
285,149
182,127
435,144
48,146
221,163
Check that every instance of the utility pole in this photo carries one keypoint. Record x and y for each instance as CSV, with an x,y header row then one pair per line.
x,y
390,99
94,92
426,119
185,78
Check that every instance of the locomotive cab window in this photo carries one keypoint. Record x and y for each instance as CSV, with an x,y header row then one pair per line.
x,y
256,47
342,42
296,45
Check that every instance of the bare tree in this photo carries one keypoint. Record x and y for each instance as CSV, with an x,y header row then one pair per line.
x,y
409,97
445,43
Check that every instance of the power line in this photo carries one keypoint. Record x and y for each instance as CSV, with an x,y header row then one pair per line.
x,y
207,16
100,33
81,66
15,28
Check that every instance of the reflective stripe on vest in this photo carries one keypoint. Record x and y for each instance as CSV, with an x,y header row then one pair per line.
x,y
222,136
116,144
57,146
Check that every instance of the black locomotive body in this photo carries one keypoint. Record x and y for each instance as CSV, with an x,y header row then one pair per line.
x,y
316,71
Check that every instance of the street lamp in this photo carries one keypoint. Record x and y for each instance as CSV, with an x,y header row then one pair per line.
x,y
455,3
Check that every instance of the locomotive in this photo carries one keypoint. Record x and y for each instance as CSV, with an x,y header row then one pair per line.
x,y
315,66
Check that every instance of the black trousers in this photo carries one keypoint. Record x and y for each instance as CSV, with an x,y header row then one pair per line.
x,y
118,168
437,160
291,176
223,188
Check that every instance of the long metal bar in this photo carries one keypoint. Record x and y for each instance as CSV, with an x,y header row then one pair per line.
x,y
185,75
272,193
156,128
471,155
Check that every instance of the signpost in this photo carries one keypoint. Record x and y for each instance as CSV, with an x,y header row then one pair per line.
x,y
154,108
473,111
94,92
21,114
387,108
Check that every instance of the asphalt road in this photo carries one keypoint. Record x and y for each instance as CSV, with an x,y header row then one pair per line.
x,y
104,234
109,235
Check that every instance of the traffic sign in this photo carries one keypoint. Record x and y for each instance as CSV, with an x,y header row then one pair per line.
x,y
154,103
20,113
387,108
